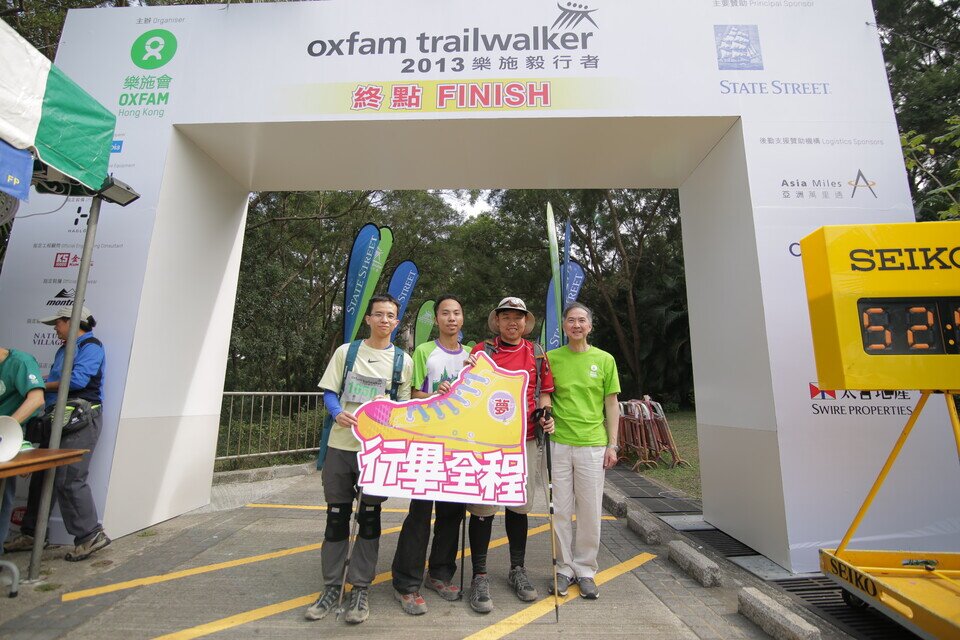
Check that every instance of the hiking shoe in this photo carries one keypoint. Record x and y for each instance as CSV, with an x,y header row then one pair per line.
x,y
521,584
447,590
412,603
563,584
22,542
588,588
480,600
359,607
326,603
88,548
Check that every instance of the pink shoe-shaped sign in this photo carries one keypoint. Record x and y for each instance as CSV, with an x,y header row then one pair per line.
x,y
467,445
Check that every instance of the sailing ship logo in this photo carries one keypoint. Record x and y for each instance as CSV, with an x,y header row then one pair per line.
x,y
738,47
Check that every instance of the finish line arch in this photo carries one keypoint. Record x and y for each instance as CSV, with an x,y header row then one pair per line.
x,y
771,120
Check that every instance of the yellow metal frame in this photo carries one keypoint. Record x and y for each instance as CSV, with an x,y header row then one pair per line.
x,y
921,590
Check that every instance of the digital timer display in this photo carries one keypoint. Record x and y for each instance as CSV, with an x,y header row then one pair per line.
x,y
917,326
884,303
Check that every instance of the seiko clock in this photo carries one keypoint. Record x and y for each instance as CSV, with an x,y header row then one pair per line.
x,y
885,305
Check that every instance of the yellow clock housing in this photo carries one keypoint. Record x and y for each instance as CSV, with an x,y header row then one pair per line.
x,y
885,305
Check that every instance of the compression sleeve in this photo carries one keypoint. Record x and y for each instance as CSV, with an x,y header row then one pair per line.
x,y
332,402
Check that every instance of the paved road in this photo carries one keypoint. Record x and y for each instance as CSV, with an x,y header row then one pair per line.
x,y
249,571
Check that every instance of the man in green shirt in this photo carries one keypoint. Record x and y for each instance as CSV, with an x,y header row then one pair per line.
x,y
587,415
21,396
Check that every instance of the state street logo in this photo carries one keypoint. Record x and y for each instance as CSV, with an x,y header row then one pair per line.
x,y
738,47
63,298
153,49
862,182
572,15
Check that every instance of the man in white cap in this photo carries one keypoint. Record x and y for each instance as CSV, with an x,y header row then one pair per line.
x,y
510,322
81,431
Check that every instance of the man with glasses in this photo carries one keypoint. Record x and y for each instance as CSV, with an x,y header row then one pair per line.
x,y
368,379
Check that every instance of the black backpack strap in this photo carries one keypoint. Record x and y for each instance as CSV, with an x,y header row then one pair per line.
x,y
489,347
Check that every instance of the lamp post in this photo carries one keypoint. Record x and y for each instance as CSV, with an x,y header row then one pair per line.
x,y
115,192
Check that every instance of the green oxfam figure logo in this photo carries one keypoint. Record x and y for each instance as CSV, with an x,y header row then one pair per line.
x,y
153,49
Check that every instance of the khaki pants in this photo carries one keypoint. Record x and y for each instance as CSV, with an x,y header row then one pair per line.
x,y
577,490
535,475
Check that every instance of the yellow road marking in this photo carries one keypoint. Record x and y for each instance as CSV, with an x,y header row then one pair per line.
x,y
186,573
313,507
526,616
280,607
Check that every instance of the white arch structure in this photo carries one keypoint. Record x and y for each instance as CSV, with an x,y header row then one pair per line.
x,y
772,117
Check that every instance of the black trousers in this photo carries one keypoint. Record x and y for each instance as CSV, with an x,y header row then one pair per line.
x,y
411,555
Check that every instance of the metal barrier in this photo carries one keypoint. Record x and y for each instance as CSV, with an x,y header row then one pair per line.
x,y
265,423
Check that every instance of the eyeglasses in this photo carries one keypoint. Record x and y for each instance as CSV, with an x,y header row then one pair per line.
x,y
384,316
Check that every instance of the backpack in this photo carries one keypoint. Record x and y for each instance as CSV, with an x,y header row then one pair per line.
x,y
539,355
352,352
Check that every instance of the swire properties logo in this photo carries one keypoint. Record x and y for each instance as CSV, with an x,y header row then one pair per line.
x,y
865,403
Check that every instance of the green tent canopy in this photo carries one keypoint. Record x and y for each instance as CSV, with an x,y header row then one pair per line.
x,y
43,110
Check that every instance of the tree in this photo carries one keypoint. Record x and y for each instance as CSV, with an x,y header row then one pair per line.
x,y
921,43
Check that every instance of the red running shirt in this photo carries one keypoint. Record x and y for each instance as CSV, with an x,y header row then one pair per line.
x,y
520,358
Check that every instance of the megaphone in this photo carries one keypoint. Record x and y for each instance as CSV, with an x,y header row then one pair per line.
x,y
11,438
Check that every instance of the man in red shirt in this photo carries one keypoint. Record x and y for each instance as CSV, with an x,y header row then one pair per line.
x,y
510,322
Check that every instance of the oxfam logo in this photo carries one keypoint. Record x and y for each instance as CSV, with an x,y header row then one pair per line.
x,y
153,49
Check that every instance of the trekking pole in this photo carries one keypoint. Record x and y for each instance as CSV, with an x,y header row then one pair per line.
x,y
463,548
346,563
553,535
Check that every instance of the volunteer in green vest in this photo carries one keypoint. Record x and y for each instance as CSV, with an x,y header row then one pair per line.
x,y
587,413
21,396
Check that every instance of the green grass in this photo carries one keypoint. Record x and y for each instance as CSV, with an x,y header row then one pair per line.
x,y
50,586
683,426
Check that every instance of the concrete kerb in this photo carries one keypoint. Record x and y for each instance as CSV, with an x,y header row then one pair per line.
x,y
264,473
695,564
731,574
774,618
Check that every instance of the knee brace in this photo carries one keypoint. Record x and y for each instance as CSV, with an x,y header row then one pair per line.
x,y
338,522
368,520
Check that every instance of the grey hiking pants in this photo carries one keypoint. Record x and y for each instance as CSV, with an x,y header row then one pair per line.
x,y
340,474
70,488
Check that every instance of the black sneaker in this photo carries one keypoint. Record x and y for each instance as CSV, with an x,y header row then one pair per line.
x,y
588,588
563,584
521,584
88,548
326,603
480,600
359,607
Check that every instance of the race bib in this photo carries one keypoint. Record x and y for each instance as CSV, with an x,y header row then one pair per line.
x,y
359,388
